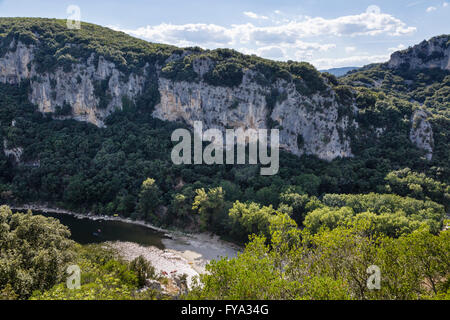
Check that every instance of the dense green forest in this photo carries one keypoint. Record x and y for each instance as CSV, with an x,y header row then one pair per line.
x,y
102,170
386,206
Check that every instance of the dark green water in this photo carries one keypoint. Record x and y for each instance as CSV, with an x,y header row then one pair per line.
x,y
86,231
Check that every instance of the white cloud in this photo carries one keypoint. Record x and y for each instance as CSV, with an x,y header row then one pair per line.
x,y
255,15
272,52
445,4
205,35
288,51
367,23
212,36
397,48
289,38
353,61
431,9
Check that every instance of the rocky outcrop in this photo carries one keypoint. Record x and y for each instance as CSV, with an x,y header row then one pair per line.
x,y
15,64
421,133
15,153
75,88
434,53
308,124
311,125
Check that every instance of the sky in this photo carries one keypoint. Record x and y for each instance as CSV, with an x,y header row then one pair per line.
x,y
326,33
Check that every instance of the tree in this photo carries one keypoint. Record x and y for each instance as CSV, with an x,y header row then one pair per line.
x,y
250,218
211,208
143,269
180,206
253,275
149,198
7,293
406,182
327,217
297,202
389,207
34,252
105,276
309,183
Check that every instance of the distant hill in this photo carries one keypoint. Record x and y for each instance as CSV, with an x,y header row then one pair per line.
x,y
339,72
429,54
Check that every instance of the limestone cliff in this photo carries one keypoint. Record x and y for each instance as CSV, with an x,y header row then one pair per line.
x,y
15,153
76,88
434,53
308,123
430,54
421,133
88,74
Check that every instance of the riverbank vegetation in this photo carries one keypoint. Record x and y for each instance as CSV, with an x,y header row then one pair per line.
x,y
291,263
36,251
332,264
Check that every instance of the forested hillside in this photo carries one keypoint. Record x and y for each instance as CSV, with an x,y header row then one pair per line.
x,y
85,168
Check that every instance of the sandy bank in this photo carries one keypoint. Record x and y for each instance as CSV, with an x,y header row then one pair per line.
x,y
199,249
187,254
164,261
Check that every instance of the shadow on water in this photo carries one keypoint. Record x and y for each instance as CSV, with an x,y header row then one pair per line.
x,y
87,231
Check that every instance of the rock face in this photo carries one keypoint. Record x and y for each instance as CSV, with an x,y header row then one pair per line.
x,y
14,66
15,153
75,88
434,53
421,133
308,124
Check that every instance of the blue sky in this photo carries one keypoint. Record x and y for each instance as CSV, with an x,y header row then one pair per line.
x,y
326,33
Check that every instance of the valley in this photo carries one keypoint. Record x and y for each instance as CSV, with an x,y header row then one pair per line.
x,y
87,120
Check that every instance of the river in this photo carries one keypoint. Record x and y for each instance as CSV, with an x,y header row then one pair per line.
x,y
87,231
169,252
